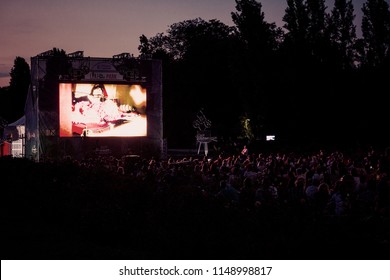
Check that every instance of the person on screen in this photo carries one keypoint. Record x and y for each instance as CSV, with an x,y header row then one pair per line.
x,y
98,108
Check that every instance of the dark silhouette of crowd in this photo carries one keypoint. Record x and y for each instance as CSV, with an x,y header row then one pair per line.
x,y
271,205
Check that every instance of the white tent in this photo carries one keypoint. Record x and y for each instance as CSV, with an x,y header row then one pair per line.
x,y
15,133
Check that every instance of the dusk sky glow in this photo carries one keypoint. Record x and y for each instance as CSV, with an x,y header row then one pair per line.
x,y
103,28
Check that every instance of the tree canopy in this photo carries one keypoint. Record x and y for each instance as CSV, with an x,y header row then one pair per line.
x,y
14,96
270,75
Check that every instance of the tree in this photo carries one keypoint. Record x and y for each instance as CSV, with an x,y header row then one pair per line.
x,y
156,47
375,67
318,36
306,23
308,67
5,108
296,21
260,36
316,11
196,56
255,63
17,92
376,32
57,64
343,32
183,36
295,48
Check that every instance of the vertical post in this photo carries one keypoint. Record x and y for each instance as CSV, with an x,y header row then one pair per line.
x,y
24,142
37,104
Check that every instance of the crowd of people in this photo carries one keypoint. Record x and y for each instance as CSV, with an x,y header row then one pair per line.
x,y
270,205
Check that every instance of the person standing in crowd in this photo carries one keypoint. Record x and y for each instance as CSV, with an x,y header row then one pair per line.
x,y
244,151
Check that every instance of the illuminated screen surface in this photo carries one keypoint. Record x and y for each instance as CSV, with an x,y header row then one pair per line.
x,y
102,110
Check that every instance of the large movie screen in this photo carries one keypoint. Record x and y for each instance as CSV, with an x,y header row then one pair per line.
x,y
102,110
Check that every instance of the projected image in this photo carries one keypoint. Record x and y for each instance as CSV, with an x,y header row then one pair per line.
x,y
102,110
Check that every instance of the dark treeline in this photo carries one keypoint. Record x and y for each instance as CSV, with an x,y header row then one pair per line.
x,y
311,82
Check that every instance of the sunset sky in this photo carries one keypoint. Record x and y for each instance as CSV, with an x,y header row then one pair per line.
x,y
103,28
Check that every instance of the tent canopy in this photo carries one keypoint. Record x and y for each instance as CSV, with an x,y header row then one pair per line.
x,y
21,121
13,131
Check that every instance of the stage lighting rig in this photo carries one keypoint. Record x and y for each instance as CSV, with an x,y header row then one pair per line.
x,y
122,56
46,53
80,65
76,54
145,56
128,66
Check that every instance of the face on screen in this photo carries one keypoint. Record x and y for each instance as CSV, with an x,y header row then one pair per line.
x,y
102,110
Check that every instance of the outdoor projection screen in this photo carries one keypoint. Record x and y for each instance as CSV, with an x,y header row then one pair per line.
x,y
102,110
